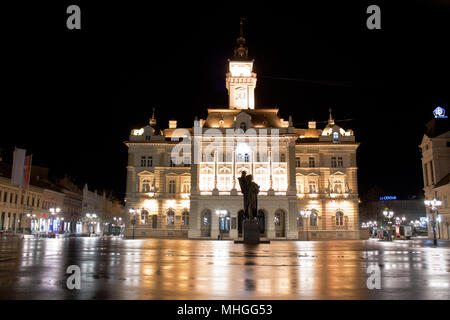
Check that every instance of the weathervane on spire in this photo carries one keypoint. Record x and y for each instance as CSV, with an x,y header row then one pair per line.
x,y
241,50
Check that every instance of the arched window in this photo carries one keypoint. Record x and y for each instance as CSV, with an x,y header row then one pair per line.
x,y
172,186
338,187
299,220
185,187
339,218
312,186
144,217
170,217
185,218
145,185
313,219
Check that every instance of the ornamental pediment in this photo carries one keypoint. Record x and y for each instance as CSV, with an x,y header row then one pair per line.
x,y
145,173
337,172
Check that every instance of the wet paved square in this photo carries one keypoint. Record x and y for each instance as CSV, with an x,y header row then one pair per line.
x,y
115,268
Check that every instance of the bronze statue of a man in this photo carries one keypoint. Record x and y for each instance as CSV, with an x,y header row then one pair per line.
x,y
250,192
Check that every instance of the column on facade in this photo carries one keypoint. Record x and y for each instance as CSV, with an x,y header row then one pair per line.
x,y
215,169
291,193
194,214
270,169
214,224
234,168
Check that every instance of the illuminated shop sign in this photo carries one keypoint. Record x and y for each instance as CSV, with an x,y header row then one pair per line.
x,y
388,198
439,113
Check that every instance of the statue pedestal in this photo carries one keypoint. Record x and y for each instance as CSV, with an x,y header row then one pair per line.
x,y
251,231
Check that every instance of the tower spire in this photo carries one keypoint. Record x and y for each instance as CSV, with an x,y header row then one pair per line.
x,y
241,50
330,120
153,119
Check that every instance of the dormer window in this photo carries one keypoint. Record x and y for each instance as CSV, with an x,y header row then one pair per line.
x,y
335,135
243,126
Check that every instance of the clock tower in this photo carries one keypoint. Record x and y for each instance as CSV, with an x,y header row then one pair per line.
x,y
241,80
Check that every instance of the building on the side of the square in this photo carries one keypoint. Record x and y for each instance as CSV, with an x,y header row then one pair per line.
x,y
298,170
54,207
435,147
100,214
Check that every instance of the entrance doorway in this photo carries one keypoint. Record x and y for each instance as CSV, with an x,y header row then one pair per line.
x,y
280,223
206,224
224,223
154,221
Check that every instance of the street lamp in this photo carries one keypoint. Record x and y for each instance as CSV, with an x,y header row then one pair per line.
x,y
305,215
133,212
54,210
433,205
389,214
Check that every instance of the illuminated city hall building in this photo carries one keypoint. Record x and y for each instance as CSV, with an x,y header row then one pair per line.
x,y
307,176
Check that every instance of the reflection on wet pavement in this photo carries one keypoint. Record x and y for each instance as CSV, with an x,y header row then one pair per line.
x,y
114,268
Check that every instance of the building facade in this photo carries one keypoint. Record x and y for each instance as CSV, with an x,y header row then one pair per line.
x,y
183,182
101,214
435,147
54,208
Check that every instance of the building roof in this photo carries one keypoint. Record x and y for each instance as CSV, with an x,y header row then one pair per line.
x,y
444,181
224,118
437,127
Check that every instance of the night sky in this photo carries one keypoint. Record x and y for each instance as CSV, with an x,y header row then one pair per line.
x,y
71,97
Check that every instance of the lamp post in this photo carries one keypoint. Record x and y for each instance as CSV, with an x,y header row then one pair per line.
x,y
133,212
305,215
433,205
389,214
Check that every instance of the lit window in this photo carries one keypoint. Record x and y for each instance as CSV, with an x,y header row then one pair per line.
x,y
313,219
172,186
277,219
144,217
170,217
145,185
335,135
299,221
185,186
339,218
338,187
312,186
185,218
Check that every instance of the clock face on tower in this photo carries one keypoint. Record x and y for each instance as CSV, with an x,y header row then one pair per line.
x,y
240,97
